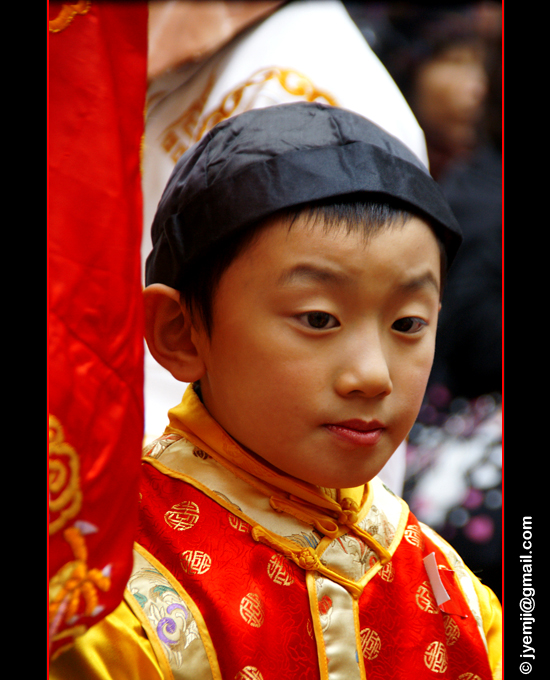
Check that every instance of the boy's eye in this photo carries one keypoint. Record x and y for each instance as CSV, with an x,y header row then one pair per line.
x,y
321,320
409,324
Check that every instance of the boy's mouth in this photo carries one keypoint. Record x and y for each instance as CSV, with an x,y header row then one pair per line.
x,y
357,431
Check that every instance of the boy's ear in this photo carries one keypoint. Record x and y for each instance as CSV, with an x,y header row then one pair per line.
x,y
170,334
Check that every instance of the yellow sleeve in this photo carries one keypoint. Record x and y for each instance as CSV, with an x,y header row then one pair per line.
x,y
491,613
114,649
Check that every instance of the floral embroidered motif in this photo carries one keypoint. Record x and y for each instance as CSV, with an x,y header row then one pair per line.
x,y
74,583
168,615
73,589
325,608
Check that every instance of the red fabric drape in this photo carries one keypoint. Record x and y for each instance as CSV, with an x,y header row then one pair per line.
x,y
97,82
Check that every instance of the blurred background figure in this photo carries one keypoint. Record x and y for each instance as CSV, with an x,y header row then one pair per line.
x,y
447,62
211,60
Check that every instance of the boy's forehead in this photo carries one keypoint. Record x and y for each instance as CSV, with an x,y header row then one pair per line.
x,y
311,251
252,166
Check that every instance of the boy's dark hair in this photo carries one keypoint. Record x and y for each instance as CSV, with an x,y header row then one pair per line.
x,y
368,214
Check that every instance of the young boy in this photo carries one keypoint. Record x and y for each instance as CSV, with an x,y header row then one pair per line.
x,y
295,282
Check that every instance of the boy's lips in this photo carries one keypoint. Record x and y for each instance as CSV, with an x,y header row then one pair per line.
x,y
357,431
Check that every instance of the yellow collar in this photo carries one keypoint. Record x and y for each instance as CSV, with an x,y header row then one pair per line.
x,y
287,494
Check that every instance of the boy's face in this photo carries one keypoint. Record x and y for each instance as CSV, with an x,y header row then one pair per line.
x,y
322,346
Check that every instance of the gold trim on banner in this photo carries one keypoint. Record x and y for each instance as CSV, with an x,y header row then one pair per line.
x,y
67,14
64,478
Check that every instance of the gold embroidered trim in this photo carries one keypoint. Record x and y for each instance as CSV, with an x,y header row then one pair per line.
x,y
193,124
67,14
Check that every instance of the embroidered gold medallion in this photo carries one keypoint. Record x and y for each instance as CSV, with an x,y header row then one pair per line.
x,y
195,562
182,516
413,535
238,524
252,611
452,631
279,571
435,657
387,573
370,643
425,599
249,673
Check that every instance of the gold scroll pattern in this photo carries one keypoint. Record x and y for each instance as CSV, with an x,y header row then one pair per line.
x,y
64,478
195,122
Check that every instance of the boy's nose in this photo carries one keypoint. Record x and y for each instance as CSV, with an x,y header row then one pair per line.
x,y
365,372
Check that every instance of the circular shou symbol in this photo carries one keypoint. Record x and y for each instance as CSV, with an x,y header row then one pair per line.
x,y
387,573
195,562
249,673
452,631
370,643
279,571
435,657
182,516
425,599
252,610
413,535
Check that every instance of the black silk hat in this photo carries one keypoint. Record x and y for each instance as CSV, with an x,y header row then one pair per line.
x,y
265,160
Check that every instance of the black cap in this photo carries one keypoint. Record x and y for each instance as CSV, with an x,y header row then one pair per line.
x,y
262,161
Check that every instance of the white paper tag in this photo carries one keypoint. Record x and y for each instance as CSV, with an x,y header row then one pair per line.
x,y
440,593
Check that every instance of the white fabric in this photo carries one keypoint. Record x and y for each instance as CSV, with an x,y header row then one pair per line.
x,y
315,39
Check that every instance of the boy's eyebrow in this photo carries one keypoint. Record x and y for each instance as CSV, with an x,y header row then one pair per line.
x,y
418,282
307,272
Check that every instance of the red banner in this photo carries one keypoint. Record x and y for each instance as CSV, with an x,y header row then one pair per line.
x,y
97,84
